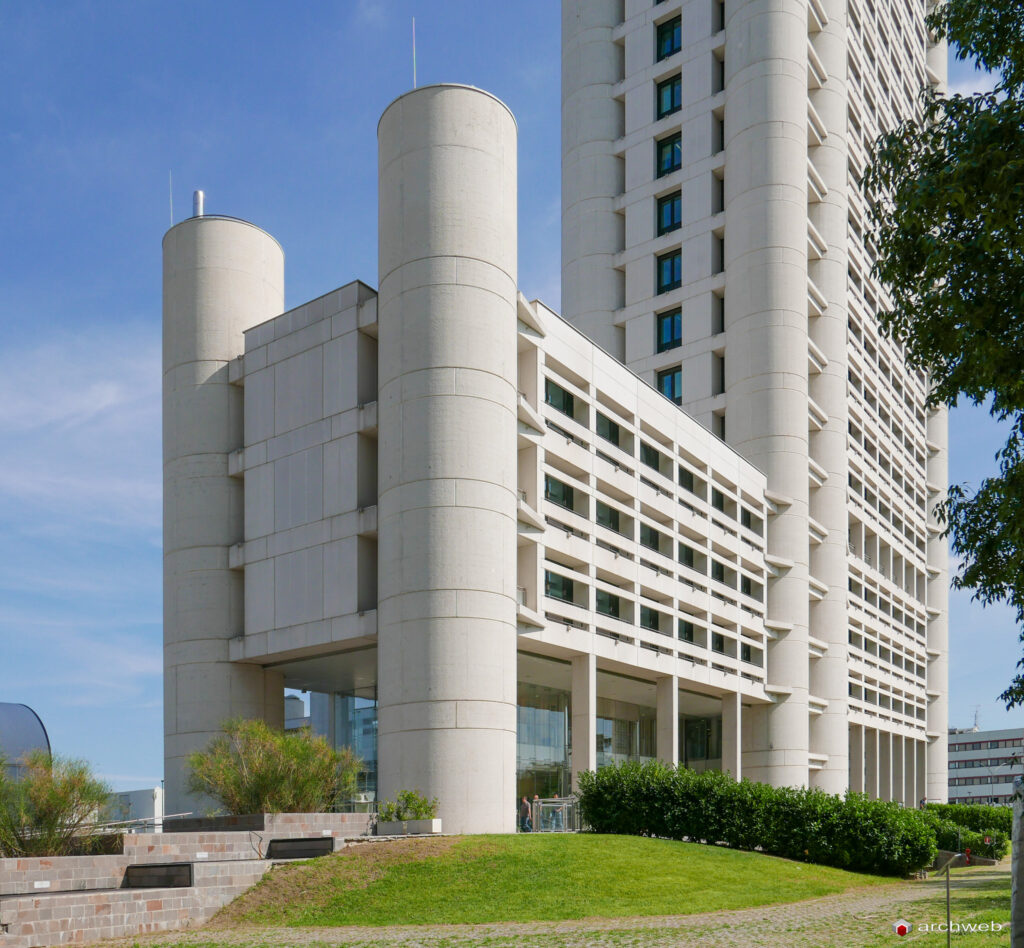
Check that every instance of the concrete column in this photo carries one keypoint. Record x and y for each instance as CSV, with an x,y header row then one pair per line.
x,y
898,786
857,782
668,719
220,277
766,332
447,454
584,715
922,771
884,765
829,620
871,766
910,772
593,176
938,622
732,743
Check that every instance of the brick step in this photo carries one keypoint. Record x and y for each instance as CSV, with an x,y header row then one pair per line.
x,y
38,921
34,875
211,846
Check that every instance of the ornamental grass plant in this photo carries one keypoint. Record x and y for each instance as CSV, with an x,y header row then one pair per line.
x,y
49,804
254,768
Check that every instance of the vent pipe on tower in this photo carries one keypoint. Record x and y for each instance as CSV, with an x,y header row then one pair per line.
x,y
197,203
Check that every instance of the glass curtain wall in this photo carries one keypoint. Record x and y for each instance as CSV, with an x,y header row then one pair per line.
x,y
700,742
542,741
350,720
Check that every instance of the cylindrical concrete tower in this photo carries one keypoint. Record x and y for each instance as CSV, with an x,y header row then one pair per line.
x,y
829,619
446,617
766,334
937,755
593,175
221,276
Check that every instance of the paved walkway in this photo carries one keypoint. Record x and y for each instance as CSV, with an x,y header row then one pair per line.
x,y
861,917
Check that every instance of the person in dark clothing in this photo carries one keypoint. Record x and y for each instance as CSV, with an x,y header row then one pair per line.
x,y
525,821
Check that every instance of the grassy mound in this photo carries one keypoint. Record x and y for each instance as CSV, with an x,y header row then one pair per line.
x,y
526,878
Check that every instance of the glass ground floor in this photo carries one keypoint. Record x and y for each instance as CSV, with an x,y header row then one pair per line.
x,y
340,696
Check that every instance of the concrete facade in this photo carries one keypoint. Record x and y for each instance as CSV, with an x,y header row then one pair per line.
x,y
710,159
481,536
984,764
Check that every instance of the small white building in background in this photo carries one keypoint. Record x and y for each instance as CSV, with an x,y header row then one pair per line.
x,y
145,804
983,764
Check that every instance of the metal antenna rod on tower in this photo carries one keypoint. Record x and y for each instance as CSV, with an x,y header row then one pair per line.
x,y
170,193
414,52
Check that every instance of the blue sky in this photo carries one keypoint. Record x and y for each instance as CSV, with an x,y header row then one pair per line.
x,y
272,109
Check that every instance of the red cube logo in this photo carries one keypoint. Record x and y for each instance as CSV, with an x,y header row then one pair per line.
x,y
902,927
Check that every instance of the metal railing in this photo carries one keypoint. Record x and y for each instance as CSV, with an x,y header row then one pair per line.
x,y
552,815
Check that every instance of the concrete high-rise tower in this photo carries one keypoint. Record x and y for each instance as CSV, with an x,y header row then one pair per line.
x,y
714,242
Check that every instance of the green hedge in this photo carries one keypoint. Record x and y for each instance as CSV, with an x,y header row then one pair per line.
x,y
976,816
955,838
848,832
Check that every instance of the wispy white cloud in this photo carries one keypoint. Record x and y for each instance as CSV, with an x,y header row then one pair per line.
x,y
372,12
80,432
985,82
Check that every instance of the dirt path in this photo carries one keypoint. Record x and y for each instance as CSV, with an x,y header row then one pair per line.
x,y
862,917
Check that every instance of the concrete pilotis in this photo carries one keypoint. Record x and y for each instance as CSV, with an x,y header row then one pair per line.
x,y
871,763
885,740
857,758
732,731
584,715
668,719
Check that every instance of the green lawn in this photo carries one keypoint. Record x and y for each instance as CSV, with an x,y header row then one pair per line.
x,y
527,878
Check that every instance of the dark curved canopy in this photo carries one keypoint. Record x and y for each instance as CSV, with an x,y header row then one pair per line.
x,y
21,731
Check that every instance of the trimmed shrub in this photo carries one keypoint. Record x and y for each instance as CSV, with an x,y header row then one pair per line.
x,y
976,816
407,805
956,838
850,832
253,768
48,808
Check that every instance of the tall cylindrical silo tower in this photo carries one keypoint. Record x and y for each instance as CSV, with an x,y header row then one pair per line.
x,y
221,276
447,454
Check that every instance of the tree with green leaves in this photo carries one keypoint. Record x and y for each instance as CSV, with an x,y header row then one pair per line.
x,y
946,191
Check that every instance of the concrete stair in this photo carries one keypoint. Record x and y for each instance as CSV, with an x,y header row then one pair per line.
x,y
80,899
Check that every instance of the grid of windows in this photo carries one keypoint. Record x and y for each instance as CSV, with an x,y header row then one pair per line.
x,y
607,516
557,397
670,212
558,587
627,523
608,604
670,384
670,154
607,429
670,330
558,492
669,97
650,619
670,271
668,38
